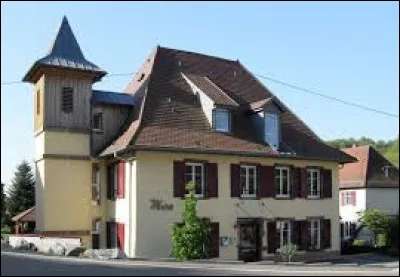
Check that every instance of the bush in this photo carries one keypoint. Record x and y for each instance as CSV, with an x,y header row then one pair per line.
x,y
287,251
190,238
360,242
382,240
393,232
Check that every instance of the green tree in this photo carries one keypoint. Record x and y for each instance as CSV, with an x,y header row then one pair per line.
x,y
21,194
375,221
392,153
3,204
190,239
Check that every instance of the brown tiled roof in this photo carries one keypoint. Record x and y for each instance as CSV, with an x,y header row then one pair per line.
x,y
26,216
213,91
368,171
171,116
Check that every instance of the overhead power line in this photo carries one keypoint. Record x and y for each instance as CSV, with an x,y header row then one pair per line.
x,y
292,86
327,96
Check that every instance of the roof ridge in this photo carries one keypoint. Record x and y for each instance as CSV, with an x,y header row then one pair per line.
x,y
198,54
218,88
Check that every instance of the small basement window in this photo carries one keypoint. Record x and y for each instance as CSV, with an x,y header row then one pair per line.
x,y
67,100
221,120
98,121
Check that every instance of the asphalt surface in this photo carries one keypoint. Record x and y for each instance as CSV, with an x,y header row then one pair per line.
x,y
34,265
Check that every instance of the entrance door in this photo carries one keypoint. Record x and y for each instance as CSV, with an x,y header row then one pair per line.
x,y
249,241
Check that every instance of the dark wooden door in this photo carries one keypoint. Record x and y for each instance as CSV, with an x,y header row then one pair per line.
x,y
250,242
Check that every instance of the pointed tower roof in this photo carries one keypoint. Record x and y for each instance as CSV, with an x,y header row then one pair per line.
x,y
65,53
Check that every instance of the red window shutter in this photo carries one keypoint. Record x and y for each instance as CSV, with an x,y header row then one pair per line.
x,y
179,179
271,237
235,180
305,235
326,233
353,197
267,181
326,183
121,236
212,180
214,240
110,182
121,179
304,184
296,181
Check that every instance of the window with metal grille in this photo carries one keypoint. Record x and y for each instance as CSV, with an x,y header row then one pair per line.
x,y
67,99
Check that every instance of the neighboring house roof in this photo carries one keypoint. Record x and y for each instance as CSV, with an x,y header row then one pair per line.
x,y
65,53
171,117
112,98
368,171
26,216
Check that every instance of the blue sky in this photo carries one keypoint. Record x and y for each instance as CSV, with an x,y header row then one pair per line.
x,y
348,50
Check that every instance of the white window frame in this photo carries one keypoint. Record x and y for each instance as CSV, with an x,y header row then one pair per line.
x,y
225,129
268,132
193,176
347,229
282,223
348,198
247,186
310,182
313,230
96,184
97,226
281,169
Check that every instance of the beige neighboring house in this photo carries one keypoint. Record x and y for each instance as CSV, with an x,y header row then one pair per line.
x,y
370,183
111,166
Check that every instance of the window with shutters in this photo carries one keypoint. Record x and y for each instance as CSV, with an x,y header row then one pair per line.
x,y
349,198
221,120
315,233
271,130
98,121
283,229
282,181
313,182
194,172
67,99
248,181
96,183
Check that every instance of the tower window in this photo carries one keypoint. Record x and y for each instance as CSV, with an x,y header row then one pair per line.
x,y
38,102
98,121
67,99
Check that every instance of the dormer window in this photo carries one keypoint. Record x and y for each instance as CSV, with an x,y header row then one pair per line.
x,y
221,120
272,130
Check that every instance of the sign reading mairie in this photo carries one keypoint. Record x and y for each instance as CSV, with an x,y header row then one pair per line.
x,y
160,205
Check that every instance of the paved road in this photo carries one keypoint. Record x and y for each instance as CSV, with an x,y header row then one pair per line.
x,y
13,264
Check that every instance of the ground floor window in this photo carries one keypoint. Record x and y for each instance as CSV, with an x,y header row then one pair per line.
x,y
315,233
347,226
283,232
